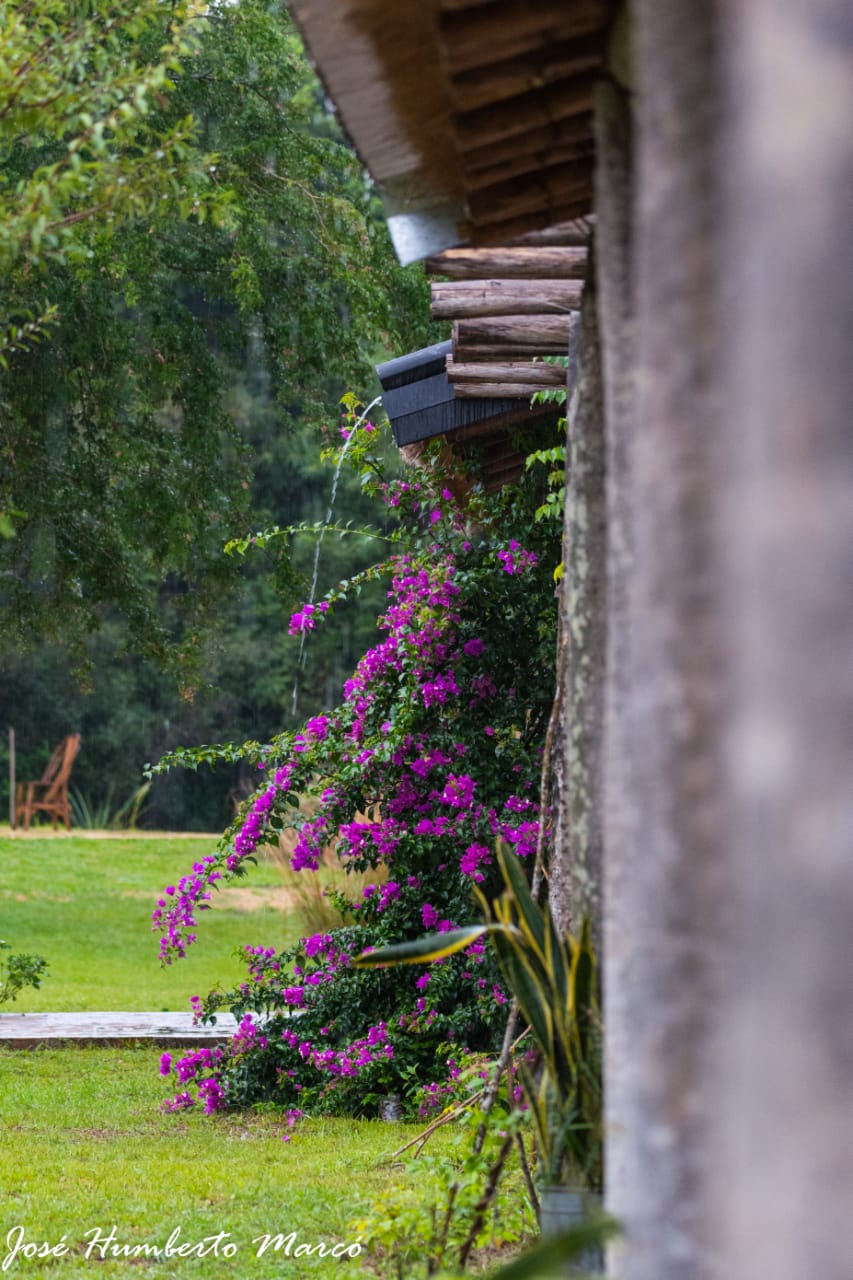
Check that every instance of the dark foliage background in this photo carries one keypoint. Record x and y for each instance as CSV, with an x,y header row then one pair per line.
x,y
181,400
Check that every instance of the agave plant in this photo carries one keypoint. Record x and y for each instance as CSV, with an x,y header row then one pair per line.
x,y
555,981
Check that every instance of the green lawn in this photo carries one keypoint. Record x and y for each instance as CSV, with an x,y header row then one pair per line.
x,y
85,905
85,1147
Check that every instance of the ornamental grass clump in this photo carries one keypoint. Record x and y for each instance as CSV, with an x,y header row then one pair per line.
x,y
439,738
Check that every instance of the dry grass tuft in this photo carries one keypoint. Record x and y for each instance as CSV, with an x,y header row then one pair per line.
x,y
308,888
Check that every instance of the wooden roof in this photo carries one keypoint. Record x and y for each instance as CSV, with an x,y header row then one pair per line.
x,y
473,116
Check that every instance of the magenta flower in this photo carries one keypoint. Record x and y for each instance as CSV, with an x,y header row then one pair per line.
x,y
459,791
429,916
516,559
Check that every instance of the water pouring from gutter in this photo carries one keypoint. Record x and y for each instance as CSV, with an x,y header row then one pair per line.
x,y
322,534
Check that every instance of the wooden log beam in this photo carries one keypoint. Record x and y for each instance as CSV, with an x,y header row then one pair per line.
x,y
495,390
462,299
506,29
497,81
522,263
517,116
544,190
526,335
538,375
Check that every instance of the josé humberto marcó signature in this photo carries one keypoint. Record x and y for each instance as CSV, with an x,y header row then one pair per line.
x,y
99,1244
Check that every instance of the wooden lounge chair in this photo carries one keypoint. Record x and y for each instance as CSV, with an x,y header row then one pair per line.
x,y
50,794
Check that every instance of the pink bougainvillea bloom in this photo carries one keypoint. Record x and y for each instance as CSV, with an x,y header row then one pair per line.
x,y
429,916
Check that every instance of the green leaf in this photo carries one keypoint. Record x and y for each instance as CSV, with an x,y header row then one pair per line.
x,y
423,950
544,1261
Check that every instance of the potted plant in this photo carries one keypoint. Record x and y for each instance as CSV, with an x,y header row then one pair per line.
x,y
555,981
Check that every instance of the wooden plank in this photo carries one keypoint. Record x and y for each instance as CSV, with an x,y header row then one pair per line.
x,y
506,29
534,110
573,131
521,263
540,375
26,1030
544,189
468,298
479,86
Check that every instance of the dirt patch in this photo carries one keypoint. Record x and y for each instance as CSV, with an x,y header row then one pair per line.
x,y
33,897
234,898
239,899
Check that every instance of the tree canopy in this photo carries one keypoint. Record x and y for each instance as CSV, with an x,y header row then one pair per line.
x,y
182,216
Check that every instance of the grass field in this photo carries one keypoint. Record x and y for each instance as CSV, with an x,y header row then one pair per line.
x,y
85,1148
85,905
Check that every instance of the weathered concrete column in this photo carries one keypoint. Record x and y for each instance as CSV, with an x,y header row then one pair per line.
x,y
613,204
576,863
782,1073
663,889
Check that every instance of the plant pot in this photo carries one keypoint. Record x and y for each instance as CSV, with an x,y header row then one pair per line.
x,y
391,1108
563,1208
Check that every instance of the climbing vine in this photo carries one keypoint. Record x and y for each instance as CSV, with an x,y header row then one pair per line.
x,y
432,754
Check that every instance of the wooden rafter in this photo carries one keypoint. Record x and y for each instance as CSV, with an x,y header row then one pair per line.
x,y
549,188
472,35
479,86
573,131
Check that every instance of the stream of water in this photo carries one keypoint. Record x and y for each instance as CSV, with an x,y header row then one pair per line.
x,y
328,520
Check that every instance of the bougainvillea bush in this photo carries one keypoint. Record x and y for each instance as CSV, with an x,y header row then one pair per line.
x,y
438,738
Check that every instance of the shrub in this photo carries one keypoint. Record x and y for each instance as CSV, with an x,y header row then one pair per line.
x,y
18,971
439,736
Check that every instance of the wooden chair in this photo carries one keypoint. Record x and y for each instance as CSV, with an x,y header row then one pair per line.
x,y
50,794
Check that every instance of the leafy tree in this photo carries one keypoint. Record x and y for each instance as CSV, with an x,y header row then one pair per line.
x,y
77,80
119,455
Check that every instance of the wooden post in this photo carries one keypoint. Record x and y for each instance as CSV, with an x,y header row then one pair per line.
x,y
12,780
